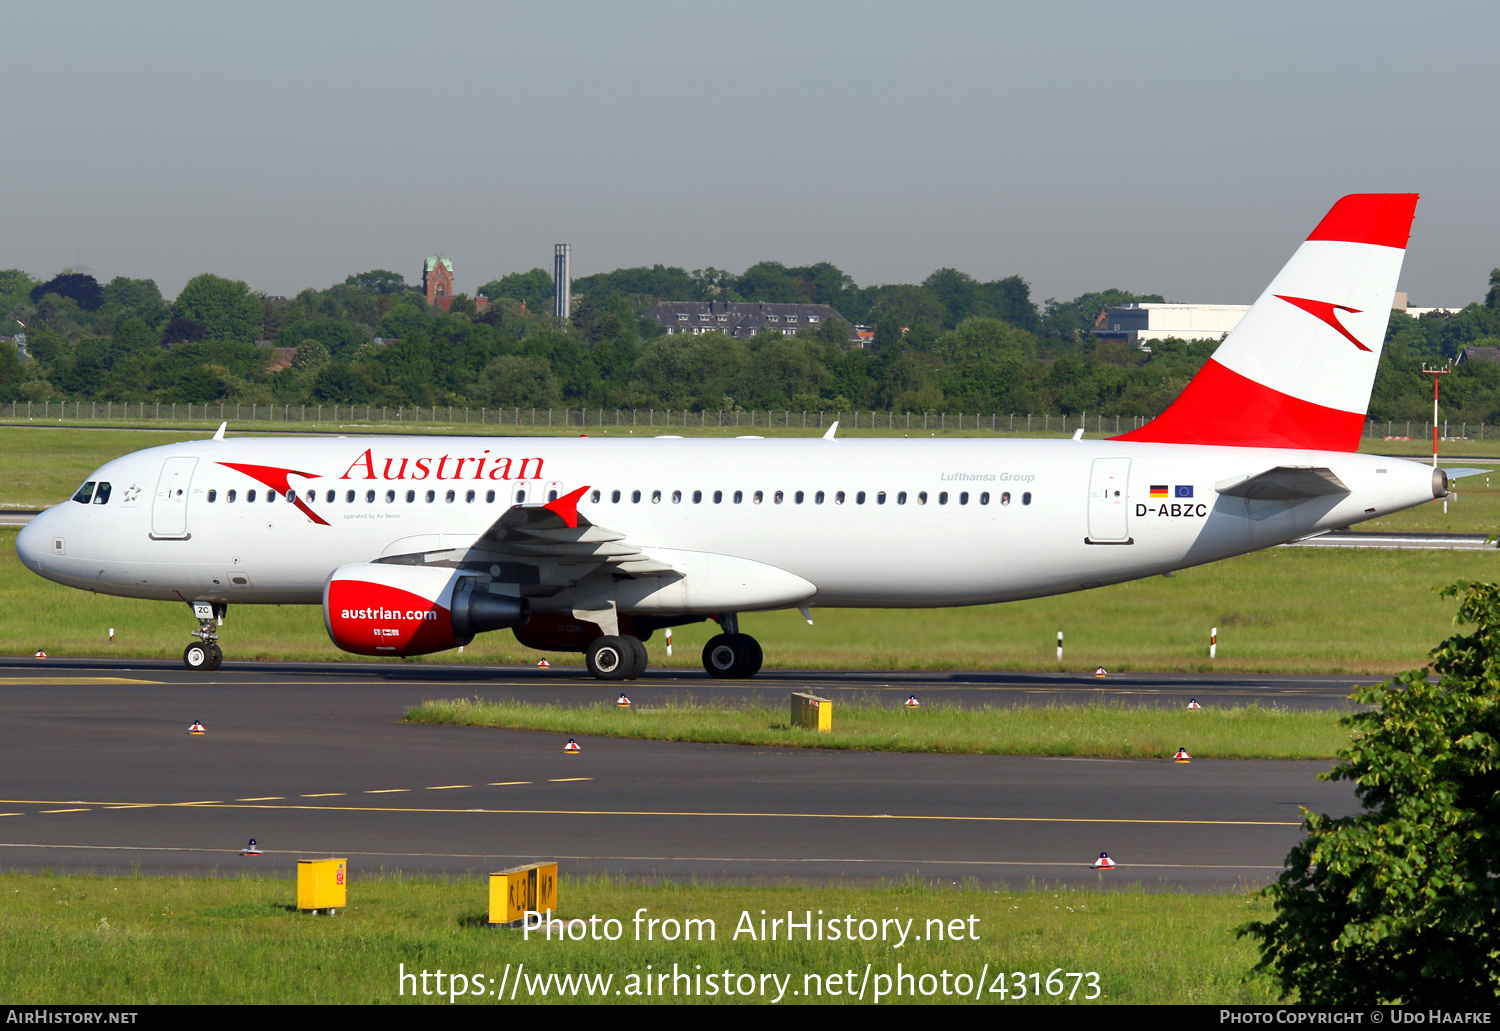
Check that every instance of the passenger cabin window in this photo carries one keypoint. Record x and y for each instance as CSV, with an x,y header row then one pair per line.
x,y
984,499
859,499
614,496
101,493
818,498
213,496
369,497
677,497
520,496
759,496
348,497
656,497
943,498
901,497
489,497
780,497
250,496
921,497
635,497
291,496
1026,498
880,498
718,497
963,499
329,498
85,493
270,496
431,496
697,497
411,496
838,497
797,497
739,496
594,496
451,495
1005,497
229,497
390,497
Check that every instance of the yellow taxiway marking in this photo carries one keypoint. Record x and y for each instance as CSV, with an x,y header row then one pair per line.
x,y
211,801
711,814
386,791
326,794
267,798
564,780
74,681
449,787
12,814
506,783
64,810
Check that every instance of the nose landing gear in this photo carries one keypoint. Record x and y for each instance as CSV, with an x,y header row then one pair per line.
x,y
205,657
731,655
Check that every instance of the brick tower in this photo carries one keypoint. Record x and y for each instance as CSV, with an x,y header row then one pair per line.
x,y
437,281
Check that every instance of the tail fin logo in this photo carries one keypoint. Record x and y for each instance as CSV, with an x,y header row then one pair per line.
x,y
1326,312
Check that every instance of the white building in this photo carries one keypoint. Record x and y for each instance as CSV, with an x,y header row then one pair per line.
x,y
1141,323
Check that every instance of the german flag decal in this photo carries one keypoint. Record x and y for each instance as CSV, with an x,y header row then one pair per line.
x,y
1158,490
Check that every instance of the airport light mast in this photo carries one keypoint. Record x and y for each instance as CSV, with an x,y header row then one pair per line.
x,y
1435,373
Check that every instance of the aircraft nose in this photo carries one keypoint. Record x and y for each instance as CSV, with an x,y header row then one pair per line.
x,y
34,543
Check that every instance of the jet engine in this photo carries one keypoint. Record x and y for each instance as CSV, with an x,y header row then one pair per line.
x,y
377,608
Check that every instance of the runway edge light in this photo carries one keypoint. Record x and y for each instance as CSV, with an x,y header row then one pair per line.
x,y
622,701
521,890
1193,704
1104,862
571,748
322,884
1182,756
197,728
912,703
251,849
1100,672
543,664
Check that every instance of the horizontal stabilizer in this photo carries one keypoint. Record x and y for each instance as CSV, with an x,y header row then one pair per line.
x,y
1457,474
1284,483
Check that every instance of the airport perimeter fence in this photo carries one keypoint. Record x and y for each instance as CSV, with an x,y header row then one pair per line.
x,y
665,420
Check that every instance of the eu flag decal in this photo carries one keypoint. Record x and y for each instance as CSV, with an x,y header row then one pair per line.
x,y
1184,492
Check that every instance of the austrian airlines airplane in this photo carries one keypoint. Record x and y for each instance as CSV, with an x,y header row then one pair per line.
x,y
416,544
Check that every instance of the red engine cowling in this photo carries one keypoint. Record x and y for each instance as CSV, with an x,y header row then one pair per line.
x,y
376,608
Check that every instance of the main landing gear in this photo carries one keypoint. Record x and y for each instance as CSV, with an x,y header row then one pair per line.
x,y
205,657
616,657
731,655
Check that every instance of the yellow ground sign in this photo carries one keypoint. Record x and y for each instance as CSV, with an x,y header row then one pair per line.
x,y
525,889
322,883
812,712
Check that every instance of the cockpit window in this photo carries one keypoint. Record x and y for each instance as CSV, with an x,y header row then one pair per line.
x,y
101,493
85,493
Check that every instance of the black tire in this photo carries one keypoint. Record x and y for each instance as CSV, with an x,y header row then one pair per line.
x,y
610,658
640,660
215,657
731,657
756,655
197,657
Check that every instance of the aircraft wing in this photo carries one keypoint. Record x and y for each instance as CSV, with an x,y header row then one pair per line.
x,y
1284,483
547,543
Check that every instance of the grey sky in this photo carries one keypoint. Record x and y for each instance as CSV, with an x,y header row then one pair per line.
x,y
1181,148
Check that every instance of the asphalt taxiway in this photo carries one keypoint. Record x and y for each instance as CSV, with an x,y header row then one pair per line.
x,y
313,759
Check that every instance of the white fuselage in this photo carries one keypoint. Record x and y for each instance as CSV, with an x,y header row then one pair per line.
x,y
1060,515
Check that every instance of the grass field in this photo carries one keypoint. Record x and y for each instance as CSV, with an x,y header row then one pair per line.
x,y
1368,612
1283,610
139,940
1111,730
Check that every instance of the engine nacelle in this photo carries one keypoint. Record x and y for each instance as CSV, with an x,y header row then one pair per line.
x,y
378,608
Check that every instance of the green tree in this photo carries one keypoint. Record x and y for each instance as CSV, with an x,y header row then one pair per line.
x,y
79,286
1492,299
377,281
533,288
224,307
311,354
1402,901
